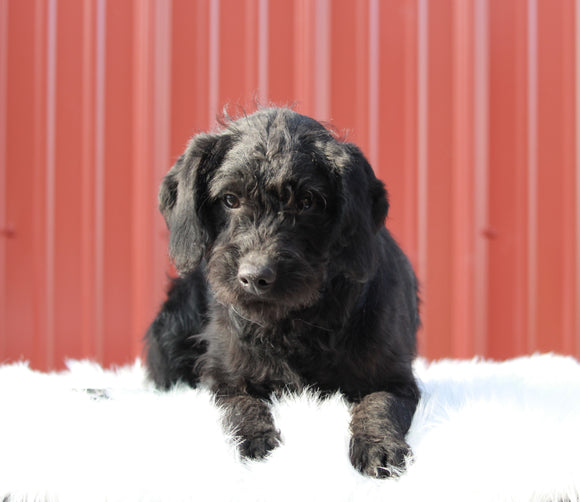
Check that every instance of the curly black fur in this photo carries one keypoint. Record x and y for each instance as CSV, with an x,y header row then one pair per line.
x,y
288,279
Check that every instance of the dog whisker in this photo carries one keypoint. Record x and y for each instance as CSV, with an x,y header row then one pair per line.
x,y
322,328
246,318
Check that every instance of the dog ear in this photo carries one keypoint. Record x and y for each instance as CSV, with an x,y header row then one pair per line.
x,y
182,198
363,209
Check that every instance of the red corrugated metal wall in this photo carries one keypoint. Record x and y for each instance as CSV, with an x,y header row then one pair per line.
x,y
467,109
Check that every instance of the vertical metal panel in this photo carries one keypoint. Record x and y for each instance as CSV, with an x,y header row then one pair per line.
x,y
438,292
480,186
38,207
123,185
462,181
467,109
23,238
64,206
555,297
151,127
508,180
92,188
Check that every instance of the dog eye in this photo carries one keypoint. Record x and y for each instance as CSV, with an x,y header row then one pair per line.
x,y
305,202
231,201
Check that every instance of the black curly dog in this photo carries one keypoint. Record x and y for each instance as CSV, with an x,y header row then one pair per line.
x,y
288,278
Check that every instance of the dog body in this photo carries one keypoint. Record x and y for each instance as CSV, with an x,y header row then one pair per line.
x,y
288,279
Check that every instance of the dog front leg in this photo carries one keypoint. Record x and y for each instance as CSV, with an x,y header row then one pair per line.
x,y
251,422
379,424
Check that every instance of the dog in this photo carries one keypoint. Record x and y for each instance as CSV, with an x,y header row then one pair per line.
x,y
288,279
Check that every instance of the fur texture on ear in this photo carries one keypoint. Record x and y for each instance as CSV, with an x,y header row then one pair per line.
x,y
182,199
363,209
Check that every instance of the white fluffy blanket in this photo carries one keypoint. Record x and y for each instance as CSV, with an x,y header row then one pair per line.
x,y
483,431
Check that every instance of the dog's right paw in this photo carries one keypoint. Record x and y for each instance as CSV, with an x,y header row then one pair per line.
x,y
250,422
259,446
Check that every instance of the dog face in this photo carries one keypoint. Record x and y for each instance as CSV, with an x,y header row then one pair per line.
x,y
277,206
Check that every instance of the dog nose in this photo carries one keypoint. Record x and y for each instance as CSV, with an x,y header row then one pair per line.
x,y
255,277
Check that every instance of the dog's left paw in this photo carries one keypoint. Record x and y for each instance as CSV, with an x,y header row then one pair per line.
x,y
379,457
259,446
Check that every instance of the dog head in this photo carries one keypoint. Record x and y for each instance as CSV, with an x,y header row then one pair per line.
x,y
276,206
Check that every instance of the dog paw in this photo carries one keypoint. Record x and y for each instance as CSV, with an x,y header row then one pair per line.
x,y
259,446
379,458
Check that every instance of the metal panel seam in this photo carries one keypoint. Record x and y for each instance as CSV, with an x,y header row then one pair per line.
x,y
50,131
3,132
532,138
480,161
373,90
263,51
422,143
577,160
214,63
322,61
99,194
